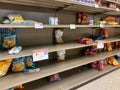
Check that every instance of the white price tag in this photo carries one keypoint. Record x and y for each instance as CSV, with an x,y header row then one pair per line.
x,y
38,25
40,54
117,9
72,26
102,25
100,44
96,6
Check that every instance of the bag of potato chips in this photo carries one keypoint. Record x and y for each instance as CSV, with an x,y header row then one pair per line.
x,y
4,66
8,38
18,65
29,62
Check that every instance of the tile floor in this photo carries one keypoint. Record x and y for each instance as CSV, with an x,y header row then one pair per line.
x,y
110,81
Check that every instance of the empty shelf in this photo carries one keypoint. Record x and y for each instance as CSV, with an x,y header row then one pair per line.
x,y
14,79
75,80
51,48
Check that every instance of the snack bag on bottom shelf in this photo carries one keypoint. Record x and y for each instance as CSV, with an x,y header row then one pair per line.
x,y
19,87
29,62
117,57
8,38
94,64
100,65
54,77
112,61
18,65
4,66
58,36
61,55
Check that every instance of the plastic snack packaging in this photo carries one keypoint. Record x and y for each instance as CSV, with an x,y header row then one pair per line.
x,y
18,65
58,36
54,77
100,65
94,64
29,62
15,50
19,87
4,66
8,38
84,40
61,55
91,50
108,47
112,61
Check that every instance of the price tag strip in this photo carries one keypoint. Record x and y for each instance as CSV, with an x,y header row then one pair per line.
x,y
41,54
38,25
100,44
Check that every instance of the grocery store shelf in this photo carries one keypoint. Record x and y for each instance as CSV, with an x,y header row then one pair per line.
x,y
59,4
18,78
54,26
116,2
51,48
73,80
114,39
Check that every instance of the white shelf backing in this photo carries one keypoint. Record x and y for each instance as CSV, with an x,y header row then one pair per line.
x,y
51,48
75,80
19,78
57,4
54,26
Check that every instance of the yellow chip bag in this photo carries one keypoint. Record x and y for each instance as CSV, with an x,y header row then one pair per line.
x,y
4,66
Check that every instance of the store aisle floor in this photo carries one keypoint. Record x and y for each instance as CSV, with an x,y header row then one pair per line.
x,y
110,81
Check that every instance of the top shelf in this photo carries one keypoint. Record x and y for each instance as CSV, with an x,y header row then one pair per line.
x,y
118,3
56,5
56,26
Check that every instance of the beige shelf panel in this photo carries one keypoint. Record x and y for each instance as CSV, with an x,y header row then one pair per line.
x,y
75,80
54,26
51,48
19,78
57,4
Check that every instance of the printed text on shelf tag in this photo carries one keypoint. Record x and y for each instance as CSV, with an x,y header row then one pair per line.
x,y
38,25
100,44
72,26
41,54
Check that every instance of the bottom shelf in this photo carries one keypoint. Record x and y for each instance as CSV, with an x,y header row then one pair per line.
x,y
70,81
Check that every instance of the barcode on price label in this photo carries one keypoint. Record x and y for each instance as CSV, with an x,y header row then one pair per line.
x,y
41,54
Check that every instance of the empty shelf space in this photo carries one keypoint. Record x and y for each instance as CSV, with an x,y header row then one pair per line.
x,y
58,4
51,48
70,81
17,78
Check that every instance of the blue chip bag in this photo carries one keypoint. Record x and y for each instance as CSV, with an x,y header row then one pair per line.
x,y
18,65
29,62
8,38
54,77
